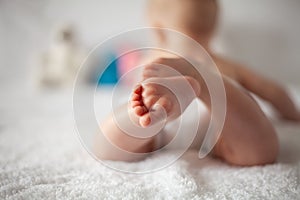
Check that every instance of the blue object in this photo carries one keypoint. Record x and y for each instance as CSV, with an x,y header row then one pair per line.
x,y
110,74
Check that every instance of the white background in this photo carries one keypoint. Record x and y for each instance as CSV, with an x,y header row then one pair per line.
x,y
264,34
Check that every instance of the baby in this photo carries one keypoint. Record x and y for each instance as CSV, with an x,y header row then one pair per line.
x,y
197,19
248,138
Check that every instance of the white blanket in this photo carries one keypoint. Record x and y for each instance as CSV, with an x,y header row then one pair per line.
x,y
42,158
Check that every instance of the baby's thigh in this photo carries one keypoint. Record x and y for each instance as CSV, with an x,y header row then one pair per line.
x,y
188,131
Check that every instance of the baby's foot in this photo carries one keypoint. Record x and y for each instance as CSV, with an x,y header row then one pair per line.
x,y
158,99
166,67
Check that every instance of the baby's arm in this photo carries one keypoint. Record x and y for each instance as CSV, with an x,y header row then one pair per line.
x,y
270,91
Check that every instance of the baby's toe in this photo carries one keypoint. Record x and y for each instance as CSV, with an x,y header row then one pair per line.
x,y
135,97
138,89
136,103
140,110
145,120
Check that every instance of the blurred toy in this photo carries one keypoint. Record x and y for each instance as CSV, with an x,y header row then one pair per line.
x,y
60,64
128,62
116,67
110,75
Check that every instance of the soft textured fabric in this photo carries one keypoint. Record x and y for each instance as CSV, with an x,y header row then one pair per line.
x,y
42,158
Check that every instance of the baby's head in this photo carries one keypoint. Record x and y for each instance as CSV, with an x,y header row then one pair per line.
x,y
195,18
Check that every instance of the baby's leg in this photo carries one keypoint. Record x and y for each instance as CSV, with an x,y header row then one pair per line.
x,y
155,101
115,144
248,137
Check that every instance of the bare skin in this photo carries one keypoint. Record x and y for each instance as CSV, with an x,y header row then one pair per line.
x,y
265,88
145,97
248,138
141,110
198,20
